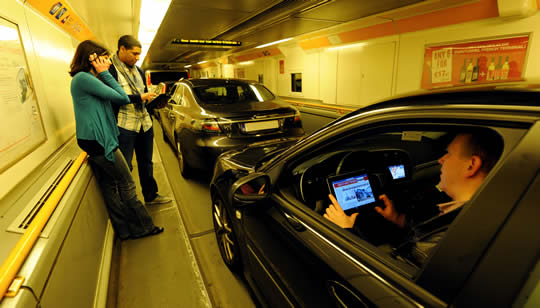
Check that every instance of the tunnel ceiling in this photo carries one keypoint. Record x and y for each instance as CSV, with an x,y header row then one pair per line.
x,y
252,22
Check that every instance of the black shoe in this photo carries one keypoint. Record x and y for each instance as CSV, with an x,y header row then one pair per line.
x,y
159,199
154,231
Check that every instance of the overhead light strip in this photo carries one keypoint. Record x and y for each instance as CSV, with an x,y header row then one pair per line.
x,y
150,18
274,43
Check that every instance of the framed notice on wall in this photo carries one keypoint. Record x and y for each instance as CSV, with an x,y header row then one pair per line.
x,y
21,127
479,62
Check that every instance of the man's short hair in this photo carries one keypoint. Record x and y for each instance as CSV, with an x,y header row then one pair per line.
x,y
485,144
128,42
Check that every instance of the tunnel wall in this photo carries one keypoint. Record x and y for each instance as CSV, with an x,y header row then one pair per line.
x,y
68,265
377,68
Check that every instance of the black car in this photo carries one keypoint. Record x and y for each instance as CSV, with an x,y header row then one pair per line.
x,y
269,198
206,117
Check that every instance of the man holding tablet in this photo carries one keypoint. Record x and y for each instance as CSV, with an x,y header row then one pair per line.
x,y
469,158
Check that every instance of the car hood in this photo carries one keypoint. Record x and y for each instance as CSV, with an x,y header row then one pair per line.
x,y
248,109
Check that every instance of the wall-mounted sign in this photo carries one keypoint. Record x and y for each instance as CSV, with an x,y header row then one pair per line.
x,y
498,60
62,15
207,42
270,52
21,128
281,66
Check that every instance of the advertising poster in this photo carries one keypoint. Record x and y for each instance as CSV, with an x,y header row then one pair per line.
x,y
21,128
480,62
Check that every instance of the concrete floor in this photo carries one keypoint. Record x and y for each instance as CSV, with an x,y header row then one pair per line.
x,y
181,267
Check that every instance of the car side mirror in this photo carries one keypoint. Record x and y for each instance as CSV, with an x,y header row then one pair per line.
x,y
251,188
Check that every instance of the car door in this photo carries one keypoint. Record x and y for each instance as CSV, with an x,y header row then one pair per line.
x,y
301,259
171,111
307,261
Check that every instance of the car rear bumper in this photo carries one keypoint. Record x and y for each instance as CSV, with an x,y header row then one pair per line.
x,y
201,151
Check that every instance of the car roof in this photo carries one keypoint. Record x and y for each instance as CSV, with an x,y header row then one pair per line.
x,y
487,96
195,82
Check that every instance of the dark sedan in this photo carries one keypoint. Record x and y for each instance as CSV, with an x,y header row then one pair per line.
x,y
206,117
269,200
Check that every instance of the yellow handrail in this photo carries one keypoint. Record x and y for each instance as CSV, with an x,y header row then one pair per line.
x,y
339,109
17,256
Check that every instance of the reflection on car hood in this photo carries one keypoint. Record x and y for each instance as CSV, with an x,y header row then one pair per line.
x,y
246,109
253,154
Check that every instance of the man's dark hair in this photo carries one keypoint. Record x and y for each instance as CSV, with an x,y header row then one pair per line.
x,y
128,42
81,62
485,144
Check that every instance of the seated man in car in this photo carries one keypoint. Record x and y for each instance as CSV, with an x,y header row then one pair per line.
x,y
469,158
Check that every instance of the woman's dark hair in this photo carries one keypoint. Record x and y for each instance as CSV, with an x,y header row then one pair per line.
x,y
81,62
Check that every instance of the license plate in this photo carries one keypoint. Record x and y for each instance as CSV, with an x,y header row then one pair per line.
x,y
255,126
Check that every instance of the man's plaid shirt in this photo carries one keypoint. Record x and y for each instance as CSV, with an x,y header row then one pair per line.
x,y
129,117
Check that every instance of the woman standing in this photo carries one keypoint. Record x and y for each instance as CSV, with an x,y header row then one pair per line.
x,y
93,90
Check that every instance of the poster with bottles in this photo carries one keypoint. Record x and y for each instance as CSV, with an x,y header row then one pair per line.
x,y
489,61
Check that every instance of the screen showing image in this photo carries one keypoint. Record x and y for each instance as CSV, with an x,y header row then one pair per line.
x,y
353,192
397,171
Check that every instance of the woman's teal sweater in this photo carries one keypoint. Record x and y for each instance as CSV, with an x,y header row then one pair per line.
x,y
94,116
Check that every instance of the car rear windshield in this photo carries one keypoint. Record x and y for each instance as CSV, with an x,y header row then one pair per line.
x,y
233,93
157,77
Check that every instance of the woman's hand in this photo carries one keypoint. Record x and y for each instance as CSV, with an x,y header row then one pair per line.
x,y
101,63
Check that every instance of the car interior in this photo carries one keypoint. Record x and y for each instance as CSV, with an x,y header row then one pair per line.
x,y
401,162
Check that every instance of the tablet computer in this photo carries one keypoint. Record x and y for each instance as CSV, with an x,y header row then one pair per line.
x,y
352,190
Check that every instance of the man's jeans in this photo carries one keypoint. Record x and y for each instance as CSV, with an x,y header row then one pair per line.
x,y
128,215
143,144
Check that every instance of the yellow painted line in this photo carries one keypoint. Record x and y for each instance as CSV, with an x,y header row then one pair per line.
x,y
18,254
333,108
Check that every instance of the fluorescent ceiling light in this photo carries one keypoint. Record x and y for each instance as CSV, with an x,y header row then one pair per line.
x,y
246,63
186,66
202,62
274,43
150,18
348,46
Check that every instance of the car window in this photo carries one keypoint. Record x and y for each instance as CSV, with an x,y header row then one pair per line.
x,y
163,76
401,162
232,94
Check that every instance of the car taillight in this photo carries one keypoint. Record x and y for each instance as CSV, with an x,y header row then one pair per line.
x,y
296,116
211,127
207,126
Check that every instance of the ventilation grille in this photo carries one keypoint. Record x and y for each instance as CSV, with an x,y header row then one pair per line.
x,y
29,213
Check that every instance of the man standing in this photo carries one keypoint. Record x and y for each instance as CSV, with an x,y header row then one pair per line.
x,y
134,122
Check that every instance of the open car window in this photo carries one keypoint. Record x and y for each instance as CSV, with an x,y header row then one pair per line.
x,y
398,161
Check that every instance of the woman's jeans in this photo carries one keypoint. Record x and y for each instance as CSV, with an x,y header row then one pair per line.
x,y
128,215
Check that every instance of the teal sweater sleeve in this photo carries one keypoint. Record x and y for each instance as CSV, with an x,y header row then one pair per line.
x,y
109,89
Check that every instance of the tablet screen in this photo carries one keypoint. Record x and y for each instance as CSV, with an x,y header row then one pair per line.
x,y
352,192
397,171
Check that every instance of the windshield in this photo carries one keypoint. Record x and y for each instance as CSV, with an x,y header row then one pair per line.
x,y
232,93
